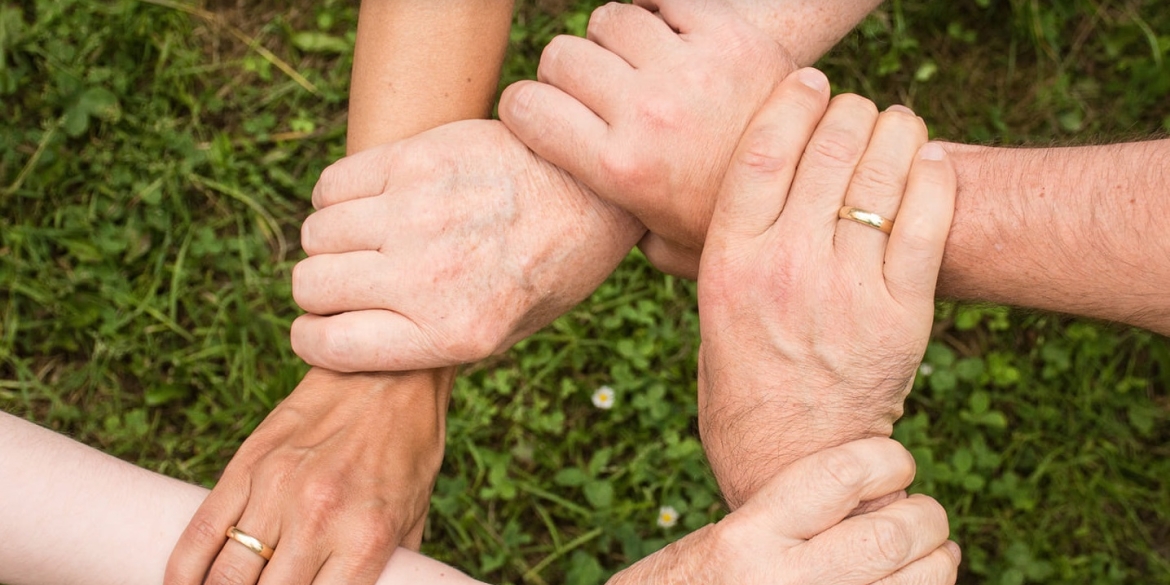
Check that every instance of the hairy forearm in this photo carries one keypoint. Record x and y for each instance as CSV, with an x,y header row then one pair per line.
x,y
806,29
71,514
1074,230
418,65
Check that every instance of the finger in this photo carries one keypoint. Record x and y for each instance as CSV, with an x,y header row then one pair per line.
x,y
327,284
632,33
413,539
347,571
877,186
762,169
877,544
670,258
345,226
688,16
366,341
238,564
204,537
590,74
940,567
558,128
297,561
364,174
366,550
818,191
818,491
914,254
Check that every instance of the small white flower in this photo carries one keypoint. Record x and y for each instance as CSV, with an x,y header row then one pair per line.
x,y
667,517
925,369
603,398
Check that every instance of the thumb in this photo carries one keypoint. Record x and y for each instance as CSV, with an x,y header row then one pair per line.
x,y
757,181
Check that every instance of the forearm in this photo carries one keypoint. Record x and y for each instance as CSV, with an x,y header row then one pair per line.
x,y
806,29
72,514
418,65
1074,230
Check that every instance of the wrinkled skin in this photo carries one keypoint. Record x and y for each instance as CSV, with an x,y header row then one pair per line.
x,y
795,531
293,484
648,110
446,248
813,326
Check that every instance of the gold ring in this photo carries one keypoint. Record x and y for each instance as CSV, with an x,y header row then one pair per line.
x,y
867,218
251,542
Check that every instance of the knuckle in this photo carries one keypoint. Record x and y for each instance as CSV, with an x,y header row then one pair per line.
x,y
477,340
519,99
854,104
624,169
226,573
603,16
762,152
875,176
931,508
203,531
333,344
836,145
552,54
321,498
659,115
845,470
891,540
376,544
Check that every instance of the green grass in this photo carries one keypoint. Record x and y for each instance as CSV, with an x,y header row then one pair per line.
x,y
155,164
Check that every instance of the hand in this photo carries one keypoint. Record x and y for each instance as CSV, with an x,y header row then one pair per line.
x,y
795,531
446,248
647,112
334,479
813,326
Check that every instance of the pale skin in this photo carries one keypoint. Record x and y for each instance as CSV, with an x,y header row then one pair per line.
x,y
1008,244
1062,229
73,515
84,517
495,339
429,64
291,483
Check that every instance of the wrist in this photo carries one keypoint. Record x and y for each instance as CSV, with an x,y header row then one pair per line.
x,y
693,559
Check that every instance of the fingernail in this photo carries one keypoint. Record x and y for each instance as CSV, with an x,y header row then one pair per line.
x,y
955,551
900,108
932,151
813,78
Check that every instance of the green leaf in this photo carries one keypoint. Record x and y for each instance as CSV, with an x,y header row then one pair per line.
x,y
99,102
599,494
571,477
969,369
583,570
319,42
962,460
980,402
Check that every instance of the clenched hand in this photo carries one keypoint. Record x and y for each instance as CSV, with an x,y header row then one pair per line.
x,y
334,479
813,326
648,109
446,248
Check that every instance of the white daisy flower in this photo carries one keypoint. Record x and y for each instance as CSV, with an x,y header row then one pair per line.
x,y
603,398
667,517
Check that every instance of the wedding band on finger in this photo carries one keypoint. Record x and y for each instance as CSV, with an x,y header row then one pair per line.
x,y
867,218
250,542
